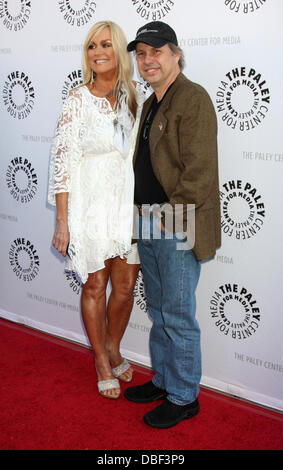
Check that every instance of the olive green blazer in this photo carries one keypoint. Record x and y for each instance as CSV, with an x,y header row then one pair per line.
x,y
183,149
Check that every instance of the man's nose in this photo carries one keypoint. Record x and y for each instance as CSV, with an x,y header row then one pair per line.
x,y
148,58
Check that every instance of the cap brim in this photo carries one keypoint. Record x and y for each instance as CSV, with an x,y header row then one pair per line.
x,y
154,42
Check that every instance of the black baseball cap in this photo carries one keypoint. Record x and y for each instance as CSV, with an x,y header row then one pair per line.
x,y
156,34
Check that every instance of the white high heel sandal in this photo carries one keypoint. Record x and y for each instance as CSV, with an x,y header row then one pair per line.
x,y
110,384
121,369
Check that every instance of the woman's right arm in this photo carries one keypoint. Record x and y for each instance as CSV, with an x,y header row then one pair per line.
x,y
65,154
61,235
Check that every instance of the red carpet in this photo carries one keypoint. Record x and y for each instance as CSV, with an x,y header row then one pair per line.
x,y
49,401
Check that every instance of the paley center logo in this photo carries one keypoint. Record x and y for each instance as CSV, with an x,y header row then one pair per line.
x,y
15,14
139,294
73,79
74,281
24,259
153,10
244,6
21,179
243,98
235,311
18,94
243,209
77,12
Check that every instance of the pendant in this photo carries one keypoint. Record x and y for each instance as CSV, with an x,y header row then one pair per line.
x,y
109,94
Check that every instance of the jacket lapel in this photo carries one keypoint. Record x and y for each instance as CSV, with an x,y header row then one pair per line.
x,y
157,129
159,122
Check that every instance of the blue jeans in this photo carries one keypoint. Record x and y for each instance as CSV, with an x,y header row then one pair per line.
x,y
170,279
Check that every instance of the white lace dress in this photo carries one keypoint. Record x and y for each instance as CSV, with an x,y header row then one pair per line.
x,y
91,159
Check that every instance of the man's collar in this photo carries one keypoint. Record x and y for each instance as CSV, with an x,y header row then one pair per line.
x,y
171,88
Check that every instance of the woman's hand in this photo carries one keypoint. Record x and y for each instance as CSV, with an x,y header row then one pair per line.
x,y
61,237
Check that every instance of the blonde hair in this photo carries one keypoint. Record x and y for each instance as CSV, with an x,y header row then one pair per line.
x,y
123,61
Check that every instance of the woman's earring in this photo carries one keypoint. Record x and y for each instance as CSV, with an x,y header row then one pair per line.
x,y
91,77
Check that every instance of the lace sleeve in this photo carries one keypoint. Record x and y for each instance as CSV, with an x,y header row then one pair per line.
x,y
65,150
141,93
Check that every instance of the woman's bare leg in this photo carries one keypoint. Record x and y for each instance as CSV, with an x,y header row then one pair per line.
x,y
93,304
123,278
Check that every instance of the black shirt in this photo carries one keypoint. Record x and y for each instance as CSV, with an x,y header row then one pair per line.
x,y
148,190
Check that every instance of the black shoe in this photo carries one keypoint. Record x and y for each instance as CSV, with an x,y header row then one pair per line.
x,y
168,414
145,393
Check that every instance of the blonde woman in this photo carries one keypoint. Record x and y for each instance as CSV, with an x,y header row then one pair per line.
x,y
91,183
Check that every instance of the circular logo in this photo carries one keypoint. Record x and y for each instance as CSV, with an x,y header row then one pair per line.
x,y
15,15
21,179
77,12
74,79
243,210
243,99
139,295
152,10
242,6
18,95
234,311
24,259
74,281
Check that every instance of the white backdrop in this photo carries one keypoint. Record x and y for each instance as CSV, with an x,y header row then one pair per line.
x,y
233,48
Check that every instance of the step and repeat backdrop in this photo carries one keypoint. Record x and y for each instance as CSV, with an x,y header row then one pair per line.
x,y
233,48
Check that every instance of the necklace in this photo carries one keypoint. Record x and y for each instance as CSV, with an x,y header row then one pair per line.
x,y
109,94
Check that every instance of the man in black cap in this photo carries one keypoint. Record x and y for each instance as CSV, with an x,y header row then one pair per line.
x,y
175,164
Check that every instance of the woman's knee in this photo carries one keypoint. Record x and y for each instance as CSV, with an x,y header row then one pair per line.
x,y
124,287
95,287
123,278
